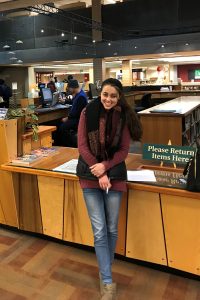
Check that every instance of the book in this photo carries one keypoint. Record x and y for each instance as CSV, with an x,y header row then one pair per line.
x,y
158,110
26,160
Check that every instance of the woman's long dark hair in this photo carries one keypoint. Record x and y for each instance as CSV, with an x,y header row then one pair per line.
x,y
132,120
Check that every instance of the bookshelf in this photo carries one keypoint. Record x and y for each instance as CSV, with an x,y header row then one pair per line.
x,y
181,127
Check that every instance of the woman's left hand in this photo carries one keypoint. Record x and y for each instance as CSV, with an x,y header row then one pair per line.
x,y
98,169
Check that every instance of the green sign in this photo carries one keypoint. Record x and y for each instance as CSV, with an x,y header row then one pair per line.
x,y
168,153
197,74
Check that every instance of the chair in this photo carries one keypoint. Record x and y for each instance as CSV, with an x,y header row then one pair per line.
x,y
145,103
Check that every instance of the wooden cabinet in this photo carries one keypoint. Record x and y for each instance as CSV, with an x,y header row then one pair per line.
x,y
145,235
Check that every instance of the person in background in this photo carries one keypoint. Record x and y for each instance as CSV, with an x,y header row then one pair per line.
x,y
79,101
105,128
5,93
51,85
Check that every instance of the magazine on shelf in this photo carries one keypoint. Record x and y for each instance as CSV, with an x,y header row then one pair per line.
x,y
44,151
3,113
27,159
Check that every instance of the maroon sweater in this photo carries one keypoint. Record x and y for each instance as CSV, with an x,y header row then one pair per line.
x,y
90,159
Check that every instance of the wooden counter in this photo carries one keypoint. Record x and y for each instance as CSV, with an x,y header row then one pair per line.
x,y
180,127
157,97
158,223
52,113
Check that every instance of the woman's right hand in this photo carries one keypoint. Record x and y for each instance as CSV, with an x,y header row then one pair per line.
x,y
104,182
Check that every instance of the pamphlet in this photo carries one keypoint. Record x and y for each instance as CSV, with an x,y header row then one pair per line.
x,y
3,113
68,167
141,175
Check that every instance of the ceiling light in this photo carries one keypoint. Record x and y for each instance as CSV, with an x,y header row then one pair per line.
x,y
42,30
135,47
162,46
33,13
11,52
109,44
13,58
75,37
19,61
181,59
6,46
62,34
94,41
19,42
186,44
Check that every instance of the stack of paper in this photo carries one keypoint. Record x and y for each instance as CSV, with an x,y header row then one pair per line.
x,y
68,167
141,175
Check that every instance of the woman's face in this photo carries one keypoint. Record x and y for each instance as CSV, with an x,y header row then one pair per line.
x,y
109,97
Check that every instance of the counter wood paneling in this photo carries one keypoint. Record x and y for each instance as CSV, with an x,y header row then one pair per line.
x,y
51,191
145,235
182,232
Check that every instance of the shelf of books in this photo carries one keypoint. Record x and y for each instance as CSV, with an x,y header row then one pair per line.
x,y
191,128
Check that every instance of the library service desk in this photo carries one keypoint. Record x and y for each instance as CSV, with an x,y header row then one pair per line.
x,y
159,222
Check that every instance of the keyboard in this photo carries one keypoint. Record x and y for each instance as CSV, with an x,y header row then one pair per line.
x,y
55,107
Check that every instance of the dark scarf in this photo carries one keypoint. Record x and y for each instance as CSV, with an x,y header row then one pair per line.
x,y
104,129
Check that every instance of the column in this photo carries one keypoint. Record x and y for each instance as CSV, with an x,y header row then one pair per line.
x,y
98,63
99,68
126,72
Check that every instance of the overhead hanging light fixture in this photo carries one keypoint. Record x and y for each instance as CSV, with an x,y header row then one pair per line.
x,y
19,61
11,52
19,42
6,46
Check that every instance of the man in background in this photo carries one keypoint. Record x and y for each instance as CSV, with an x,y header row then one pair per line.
x,y
69,125
5,93
51,85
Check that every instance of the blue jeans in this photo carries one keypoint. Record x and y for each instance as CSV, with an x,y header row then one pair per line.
x,y
103,210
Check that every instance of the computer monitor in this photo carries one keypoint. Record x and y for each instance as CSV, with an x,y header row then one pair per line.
x,y
55,98
93,93
47,97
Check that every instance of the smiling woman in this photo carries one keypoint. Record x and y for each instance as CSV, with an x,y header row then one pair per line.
x,y
104,132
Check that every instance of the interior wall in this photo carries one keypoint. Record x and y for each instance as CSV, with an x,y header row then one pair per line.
x,y
183,71
16,74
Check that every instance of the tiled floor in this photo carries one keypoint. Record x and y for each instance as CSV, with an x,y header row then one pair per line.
x,y
36,269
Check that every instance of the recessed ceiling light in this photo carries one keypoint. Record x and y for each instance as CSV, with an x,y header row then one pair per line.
x,y
62,34
75,37
11,52
162,46
42,30
109,44
135,47
94,41
186,44
19,61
